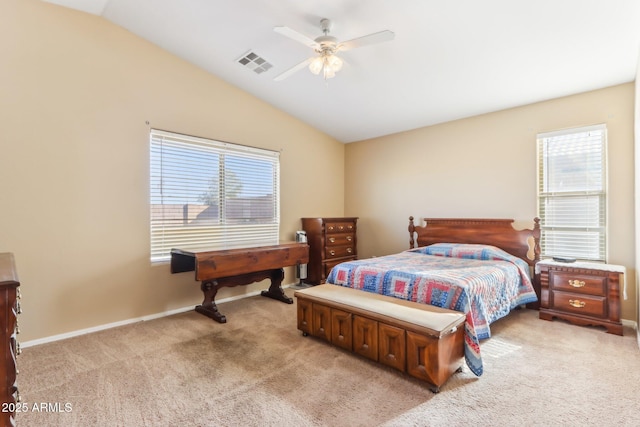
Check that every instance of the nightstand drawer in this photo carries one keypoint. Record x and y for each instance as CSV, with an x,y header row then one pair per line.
x,y
586,305
340,239
581,283
340,227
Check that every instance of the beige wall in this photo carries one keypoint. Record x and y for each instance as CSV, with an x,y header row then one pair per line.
x,y
485,167
78,96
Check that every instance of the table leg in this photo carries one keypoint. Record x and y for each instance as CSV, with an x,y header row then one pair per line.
x,y
208,306
275,291
210,289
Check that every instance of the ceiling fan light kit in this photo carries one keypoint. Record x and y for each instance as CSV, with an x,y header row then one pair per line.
x,y
326,48
329,64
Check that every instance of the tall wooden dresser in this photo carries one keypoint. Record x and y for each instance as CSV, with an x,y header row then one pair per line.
x,y
9,308
331,241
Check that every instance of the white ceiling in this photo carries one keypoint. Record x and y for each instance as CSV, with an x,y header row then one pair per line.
x,y
449,60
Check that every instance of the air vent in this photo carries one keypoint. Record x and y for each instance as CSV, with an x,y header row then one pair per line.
x,y
254,62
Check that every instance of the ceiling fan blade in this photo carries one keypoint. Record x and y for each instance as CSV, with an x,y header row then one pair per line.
x,y
293,70
379,37
294,35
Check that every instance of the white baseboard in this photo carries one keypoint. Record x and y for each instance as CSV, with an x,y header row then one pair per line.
x,y
98,328
630,323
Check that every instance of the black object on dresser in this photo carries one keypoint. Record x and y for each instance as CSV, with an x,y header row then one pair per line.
x,y
9,308
331,241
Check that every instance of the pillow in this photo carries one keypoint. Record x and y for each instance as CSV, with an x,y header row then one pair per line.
x,y
473,251
466,250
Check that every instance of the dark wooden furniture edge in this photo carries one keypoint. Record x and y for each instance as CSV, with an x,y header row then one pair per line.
x,y
9,284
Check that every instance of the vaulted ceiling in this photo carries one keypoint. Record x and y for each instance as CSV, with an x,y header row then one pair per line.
x,y
448,60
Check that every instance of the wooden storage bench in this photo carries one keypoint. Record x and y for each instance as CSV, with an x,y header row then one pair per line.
x,y
424,341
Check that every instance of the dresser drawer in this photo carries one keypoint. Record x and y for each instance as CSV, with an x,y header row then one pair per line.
x,y
580,283
338,252
587,305
341,239
340,227
328,265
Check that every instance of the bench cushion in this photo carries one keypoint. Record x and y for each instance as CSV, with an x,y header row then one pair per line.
x,y
437,320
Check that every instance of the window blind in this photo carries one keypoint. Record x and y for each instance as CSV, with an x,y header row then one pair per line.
x,y
572,202
207,194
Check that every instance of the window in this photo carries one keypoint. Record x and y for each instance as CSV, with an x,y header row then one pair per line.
x,y
572,202
211,194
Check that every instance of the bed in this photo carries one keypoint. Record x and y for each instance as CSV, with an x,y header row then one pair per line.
x,y
480,267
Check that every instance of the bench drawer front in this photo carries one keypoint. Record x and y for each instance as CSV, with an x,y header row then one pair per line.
x,y
408,345
435,360
391,346
341,335
365,337
305,316
321,322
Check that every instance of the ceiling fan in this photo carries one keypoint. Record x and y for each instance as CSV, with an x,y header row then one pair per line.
x,y
326,47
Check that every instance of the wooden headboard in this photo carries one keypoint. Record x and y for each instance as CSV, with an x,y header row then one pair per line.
x,y
524,244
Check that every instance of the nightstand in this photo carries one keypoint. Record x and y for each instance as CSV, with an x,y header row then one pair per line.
x,y
583,293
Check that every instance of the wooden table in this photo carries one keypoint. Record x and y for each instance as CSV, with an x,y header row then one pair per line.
x,y
232,267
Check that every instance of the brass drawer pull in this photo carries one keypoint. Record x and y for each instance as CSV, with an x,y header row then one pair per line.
x,y
576,303
349,250
349,238
332,239
332,253
577,283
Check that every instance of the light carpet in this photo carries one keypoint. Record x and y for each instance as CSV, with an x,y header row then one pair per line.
x,y
258,370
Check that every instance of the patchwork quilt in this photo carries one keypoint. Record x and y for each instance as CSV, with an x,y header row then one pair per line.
x,y
484,282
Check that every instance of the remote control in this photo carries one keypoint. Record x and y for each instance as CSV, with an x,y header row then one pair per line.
x,y
563,259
